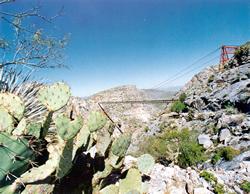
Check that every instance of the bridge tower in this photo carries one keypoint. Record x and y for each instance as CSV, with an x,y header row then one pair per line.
x,y
226,54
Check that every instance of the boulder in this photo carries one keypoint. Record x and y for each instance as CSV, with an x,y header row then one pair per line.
x,y
225,135
202,190
205,141
236,162
230,120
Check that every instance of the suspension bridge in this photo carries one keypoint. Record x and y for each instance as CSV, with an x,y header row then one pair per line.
x,y
220,56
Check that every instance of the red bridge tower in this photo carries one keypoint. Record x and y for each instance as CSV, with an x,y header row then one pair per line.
x,y
226,54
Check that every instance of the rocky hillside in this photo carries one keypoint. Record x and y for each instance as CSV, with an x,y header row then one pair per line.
x,y
216,110
131,117
201,143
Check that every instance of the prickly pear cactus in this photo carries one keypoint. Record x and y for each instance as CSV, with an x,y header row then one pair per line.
x,y
121,144
6,121
38,188
96,121
16,157
20,129
82,139
25,133
110,189
13,104
145,163
65,159
103,142
132,182
67,128
55,96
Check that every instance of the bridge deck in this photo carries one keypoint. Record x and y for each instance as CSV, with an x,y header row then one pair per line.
x,y
139,101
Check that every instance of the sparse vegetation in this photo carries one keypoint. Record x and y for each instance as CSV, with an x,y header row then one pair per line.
x,y
241,54
175,146
219,189
209,90
230,109
146,129
208,176
182,97
210,79
245,186
226,153
191,154
178,106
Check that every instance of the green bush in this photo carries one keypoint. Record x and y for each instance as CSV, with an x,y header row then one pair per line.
x,y
182,97
146,129
241,54
219,189
210,79
191,154
208,176
226,153
178,107
245,186
175,146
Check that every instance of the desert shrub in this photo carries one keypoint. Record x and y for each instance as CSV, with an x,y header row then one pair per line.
x,y
226,153
209,90
230,109
216,130
146,129
210,79
175,146
241,54
162,126
208,176
219,189
191,154
216,158
178,107
182,97
245,186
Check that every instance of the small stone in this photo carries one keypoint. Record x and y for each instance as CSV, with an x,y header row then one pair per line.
x,y
238,190
225,134
205,141
202,190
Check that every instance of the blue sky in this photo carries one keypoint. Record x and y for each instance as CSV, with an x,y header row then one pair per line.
x,y
141,42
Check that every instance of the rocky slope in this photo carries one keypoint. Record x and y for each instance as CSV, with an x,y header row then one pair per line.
x,y
131,117
219,111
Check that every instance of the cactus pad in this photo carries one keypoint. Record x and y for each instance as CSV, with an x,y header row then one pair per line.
x,y
145,163
82,139
27,128
20,129
59,162
65,160
67,128
55,96
121,144
111,189
13,104
102,143
96,121
6,121
38,188
132,182
15,156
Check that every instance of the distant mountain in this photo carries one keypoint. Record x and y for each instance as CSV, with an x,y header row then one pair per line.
x,y
160,94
